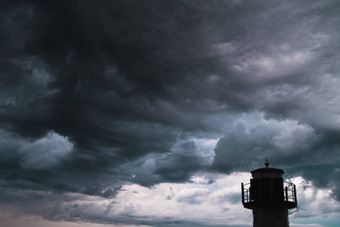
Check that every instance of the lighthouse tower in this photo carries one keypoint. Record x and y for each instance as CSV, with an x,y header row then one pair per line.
x,y
269,197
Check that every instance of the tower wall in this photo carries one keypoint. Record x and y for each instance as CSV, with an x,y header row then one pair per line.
x,y
269,217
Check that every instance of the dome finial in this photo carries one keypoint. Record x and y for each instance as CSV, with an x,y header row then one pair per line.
x,y
266,163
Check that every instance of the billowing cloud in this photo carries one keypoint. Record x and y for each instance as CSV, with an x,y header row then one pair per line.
x,y
46,152
294,146
257,138
183,160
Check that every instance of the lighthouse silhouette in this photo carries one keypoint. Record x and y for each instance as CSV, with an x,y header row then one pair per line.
x,y
269,197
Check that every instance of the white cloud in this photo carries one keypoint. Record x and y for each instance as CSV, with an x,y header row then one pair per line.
x,y
209,202
313,201
216,203
46,152
196,195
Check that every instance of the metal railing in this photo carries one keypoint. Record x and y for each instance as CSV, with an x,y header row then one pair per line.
x,y
245,193
289,191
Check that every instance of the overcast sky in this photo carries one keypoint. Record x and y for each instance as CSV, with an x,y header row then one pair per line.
x,y
151,113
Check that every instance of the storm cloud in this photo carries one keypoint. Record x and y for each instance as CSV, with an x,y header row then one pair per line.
x,y
97,95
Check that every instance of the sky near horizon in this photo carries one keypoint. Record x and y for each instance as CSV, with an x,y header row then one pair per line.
x,y
151,113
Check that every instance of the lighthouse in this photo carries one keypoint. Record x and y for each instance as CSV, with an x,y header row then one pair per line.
x,y
269,197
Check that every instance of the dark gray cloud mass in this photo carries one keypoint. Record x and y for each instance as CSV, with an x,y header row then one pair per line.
x,y
97,94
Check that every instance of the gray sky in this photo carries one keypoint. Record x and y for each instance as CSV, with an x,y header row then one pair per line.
x,y
132,113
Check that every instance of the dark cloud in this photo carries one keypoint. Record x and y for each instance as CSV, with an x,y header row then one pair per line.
x,y
119,80
97,94
178,165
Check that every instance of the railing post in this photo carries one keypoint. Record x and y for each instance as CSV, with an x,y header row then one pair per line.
x,y
242,194
295,194
286,193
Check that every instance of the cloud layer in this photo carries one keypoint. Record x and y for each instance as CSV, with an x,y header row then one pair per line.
x,y
98,96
